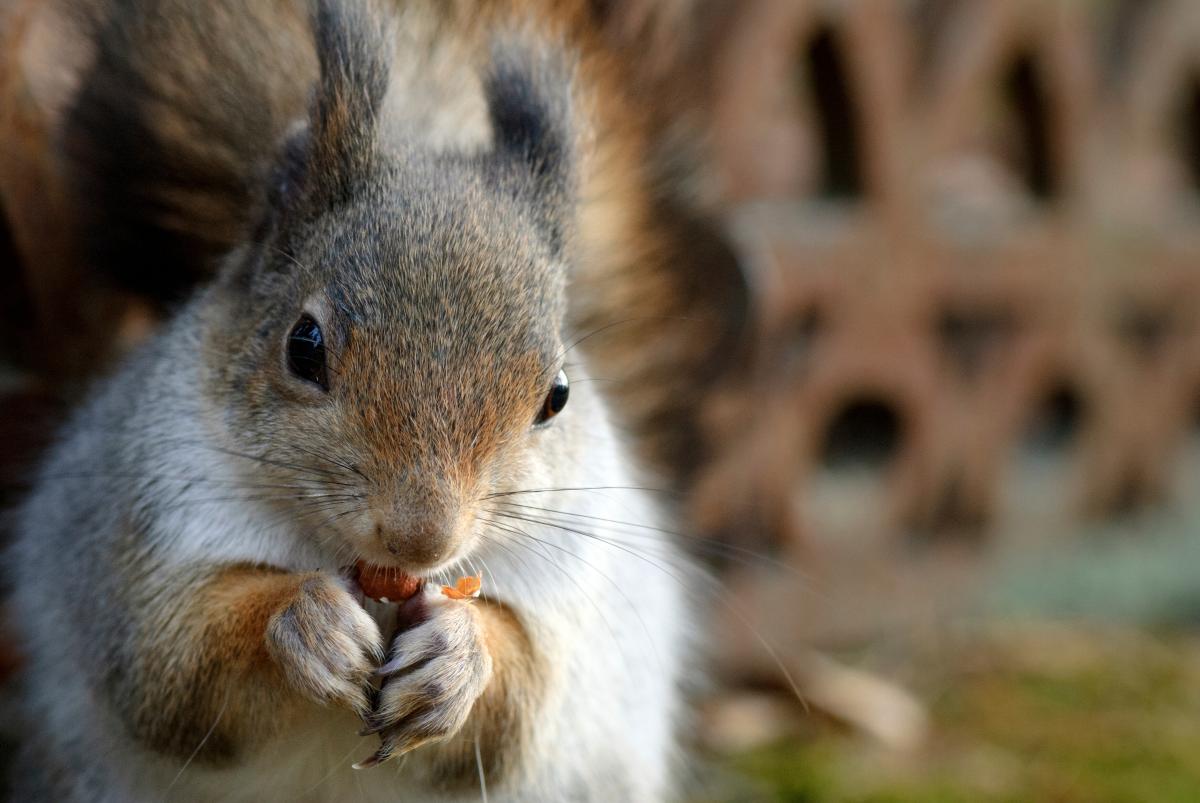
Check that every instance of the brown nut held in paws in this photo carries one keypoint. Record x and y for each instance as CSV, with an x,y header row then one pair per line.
x,y
386,583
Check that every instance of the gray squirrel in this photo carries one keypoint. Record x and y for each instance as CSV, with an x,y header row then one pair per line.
x,y
378,371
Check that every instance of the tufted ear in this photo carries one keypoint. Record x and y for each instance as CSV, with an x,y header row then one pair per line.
x,y
324,158
354,49
528,94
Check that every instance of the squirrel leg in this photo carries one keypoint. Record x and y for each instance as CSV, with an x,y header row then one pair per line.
x,y
222,671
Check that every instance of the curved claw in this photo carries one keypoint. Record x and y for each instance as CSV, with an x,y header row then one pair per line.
x,y
386,752
392,667
402,663
374,761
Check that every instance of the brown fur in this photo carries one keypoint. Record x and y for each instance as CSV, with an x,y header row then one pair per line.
x,y
218,689
210,665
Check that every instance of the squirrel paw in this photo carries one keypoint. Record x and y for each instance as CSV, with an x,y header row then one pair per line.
x,y
326,644
438,669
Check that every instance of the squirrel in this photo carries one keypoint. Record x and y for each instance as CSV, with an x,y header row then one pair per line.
x,y
378,370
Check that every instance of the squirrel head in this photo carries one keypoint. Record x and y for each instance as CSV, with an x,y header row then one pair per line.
x,y
393,339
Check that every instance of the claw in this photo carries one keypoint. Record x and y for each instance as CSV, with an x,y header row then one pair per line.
x,y
386,753
390,668
374,761
402,663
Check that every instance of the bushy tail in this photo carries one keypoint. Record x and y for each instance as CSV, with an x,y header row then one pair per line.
x,y
175,140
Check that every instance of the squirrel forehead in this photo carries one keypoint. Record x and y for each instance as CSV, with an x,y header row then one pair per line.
x,y
436,238
460,267
433,241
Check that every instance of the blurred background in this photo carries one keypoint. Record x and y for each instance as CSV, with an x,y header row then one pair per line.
x,y
968,230
945,470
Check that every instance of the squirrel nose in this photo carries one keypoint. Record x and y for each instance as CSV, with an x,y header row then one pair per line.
x,y
419,539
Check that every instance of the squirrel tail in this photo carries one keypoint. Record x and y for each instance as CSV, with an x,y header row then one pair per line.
x,y
173,144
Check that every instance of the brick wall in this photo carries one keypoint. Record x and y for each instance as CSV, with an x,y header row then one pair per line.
x,y
971,231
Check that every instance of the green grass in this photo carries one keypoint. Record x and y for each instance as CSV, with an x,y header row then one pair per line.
x,y
1117,721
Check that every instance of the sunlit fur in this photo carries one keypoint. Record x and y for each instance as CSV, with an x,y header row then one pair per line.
x,y
177,567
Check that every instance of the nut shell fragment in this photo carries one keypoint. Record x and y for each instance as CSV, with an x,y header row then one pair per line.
x,y
466,588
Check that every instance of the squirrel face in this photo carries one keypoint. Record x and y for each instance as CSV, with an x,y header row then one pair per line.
x,y
405,353
392,340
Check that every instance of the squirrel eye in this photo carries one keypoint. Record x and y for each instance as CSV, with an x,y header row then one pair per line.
x,y
556,399
306,352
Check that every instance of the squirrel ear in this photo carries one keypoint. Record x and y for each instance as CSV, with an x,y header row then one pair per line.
x,y
324,158
354,50
528,93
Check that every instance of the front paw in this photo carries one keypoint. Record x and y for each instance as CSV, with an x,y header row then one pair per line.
x,y
437,670
326,644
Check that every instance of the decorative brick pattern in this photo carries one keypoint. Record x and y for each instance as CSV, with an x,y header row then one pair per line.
x,y
971,227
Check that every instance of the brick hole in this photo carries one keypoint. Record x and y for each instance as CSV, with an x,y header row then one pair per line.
x,y
825,77
969,339
865,434
848,498
1026,144
1056,423
1187,132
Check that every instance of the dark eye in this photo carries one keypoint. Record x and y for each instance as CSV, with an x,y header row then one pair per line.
x,y
555,400
306,352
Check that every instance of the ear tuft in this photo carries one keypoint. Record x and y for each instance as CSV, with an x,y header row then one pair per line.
x,y
528,93
323,160
354,49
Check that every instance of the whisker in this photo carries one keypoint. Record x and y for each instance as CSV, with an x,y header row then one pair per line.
x,y
546,557
336,461
719,594
212,729
132,477
337,765
750,556
500,494
623,322
499,543
517,531
483,794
